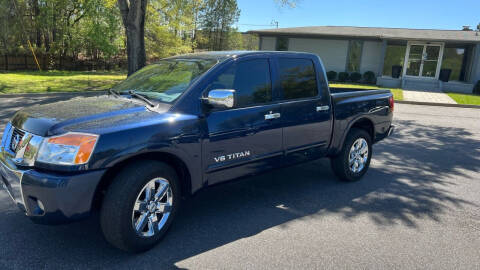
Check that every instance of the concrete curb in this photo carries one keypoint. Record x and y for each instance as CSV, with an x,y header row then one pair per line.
x,y
437,104
83,93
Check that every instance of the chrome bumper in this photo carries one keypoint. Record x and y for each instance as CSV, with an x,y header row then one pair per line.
x,y
10,175
390,130
11,180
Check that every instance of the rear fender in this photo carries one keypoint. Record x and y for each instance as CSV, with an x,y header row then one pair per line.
x,y
339,139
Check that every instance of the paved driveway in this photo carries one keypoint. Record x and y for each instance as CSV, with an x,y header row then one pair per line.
x,y
417,207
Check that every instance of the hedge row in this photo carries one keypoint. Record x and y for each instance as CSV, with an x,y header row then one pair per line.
x,y
368,77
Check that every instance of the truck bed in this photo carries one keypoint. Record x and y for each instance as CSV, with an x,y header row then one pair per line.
x,y
351,104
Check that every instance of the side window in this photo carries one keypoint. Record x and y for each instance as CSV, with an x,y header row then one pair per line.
x,y
282,44
297,78
354,55
250,79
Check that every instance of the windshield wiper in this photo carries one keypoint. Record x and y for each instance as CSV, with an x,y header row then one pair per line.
x,y
113,92
142,97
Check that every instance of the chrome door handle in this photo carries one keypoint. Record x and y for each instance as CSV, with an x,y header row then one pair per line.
x,y
323,108
272,116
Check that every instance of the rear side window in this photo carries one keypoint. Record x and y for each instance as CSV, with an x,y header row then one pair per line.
x,y
250,79
297,78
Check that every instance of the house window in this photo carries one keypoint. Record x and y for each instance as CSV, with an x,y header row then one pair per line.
x,y
354,55
282,44
394,56
454,59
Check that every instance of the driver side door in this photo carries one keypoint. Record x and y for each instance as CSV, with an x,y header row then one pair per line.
x,y
247,138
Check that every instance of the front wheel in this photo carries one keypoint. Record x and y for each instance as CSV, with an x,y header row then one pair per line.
x,y
140,205
354,159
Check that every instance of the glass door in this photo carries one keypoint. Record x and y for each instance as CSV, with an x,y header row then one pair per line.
x,y
430,61
414,62
423,60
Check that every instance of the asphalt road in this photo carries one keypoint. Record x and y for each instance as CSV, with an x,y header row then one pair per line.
x,y
416,208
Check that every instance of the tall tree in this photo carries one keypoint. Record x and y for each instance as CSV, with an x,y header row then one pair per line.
x,y
217,20
133,18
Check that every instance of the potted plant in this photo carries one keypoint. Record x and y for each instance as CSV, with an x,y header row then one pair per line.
x,y
396,71
445,74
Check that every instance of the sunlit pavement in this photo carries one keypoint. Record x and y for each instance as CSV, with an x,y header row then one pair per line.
x,y
417,207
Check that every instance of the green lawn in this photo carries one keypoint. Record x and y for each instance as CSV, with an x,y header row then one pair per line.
x,y
468,99
57,81
397,92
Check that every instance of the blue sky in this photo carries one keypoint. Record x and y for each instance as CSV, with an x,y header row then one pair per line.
x,y
439,14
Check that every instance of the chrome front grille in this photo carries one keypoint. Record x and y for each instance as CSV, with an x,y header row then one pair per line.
x,y
16,138
19,147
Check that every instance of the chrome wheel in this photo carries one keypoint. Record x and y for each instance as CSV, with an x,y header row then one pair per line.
x,y
358,156
152,207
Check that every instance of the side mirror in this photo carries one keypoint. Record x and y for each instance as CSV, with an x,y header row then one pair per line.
x,y
221,98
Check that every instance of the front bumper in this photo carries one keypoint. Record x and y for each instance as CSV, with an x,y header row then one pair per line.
x,y
48,197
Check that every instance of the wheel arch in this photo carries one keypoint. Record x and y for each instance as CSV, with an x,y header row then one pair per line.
x,y
365,124
174,161
362,122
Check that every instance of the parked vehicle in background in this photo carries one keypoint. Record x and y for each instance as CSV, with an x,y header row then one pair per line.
x,y
180,125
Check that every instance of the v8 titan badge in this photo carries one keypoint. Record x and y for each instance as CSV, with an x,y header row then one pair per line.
x,y
232,156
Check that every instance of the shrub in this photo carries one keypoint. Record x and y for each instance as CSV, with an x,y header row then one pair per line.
x,y
342,76
331,75
369,77
476,89
355,77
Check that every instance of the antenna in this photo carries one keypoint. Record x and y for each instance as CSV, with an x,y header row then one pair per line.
x,y
274,22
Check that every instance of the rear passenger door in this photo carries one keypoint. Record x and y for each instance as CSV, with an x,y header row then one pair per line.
x,y
306,114
243,140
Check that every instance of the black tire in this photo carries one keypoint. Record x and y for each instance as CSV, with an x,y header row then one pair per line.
x,y
340,163
117,207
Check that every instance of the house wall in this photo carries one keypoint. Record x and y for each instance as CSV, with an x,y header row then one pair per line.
x,y
332,52
371,57
268,43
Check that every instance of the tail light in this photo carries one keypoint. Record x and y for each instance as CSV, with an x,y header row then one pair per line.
x,y
391,103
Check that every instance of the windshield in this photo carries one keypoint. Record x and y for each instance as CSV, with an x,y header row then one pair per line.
x,y
165,80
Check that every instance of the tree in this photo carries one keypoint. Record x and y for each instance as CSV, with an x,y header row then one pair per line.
x,y
216,22
169,27
133,18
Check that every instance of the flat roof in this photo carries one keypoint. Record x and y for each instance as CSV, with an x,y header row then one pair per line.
x,y
375,33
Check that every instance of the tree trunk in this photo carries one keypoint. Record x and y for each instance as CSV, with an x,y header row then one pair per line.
x,y
133,18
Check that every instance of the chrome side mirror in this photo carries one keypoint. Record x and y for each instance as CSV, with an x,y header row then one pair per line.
x,y
221,98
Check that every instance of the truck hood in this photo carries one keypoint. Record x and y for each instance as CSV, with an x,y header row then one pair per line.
x,y
90,114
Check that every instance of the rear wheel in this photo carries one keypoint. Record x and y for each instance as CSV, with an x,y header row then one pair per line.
x,y
140,205
353,161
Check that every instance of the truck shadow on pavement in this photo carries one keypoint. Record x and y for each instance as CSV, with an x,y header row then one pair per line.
x,y
408,180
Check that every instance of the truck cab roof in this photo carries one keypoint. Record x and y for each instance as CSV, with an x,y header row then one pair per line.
x,y
224,55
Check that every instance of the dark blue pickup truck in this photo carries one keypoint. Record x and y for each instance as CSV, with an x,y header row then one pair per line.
x,y
180,125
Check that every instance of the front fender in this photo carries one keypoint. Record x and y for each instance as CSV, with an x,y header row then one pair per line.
x,y
189,157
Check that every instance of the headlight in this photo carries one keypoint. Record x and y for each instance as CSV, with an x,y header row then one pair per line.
x,y
67,149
